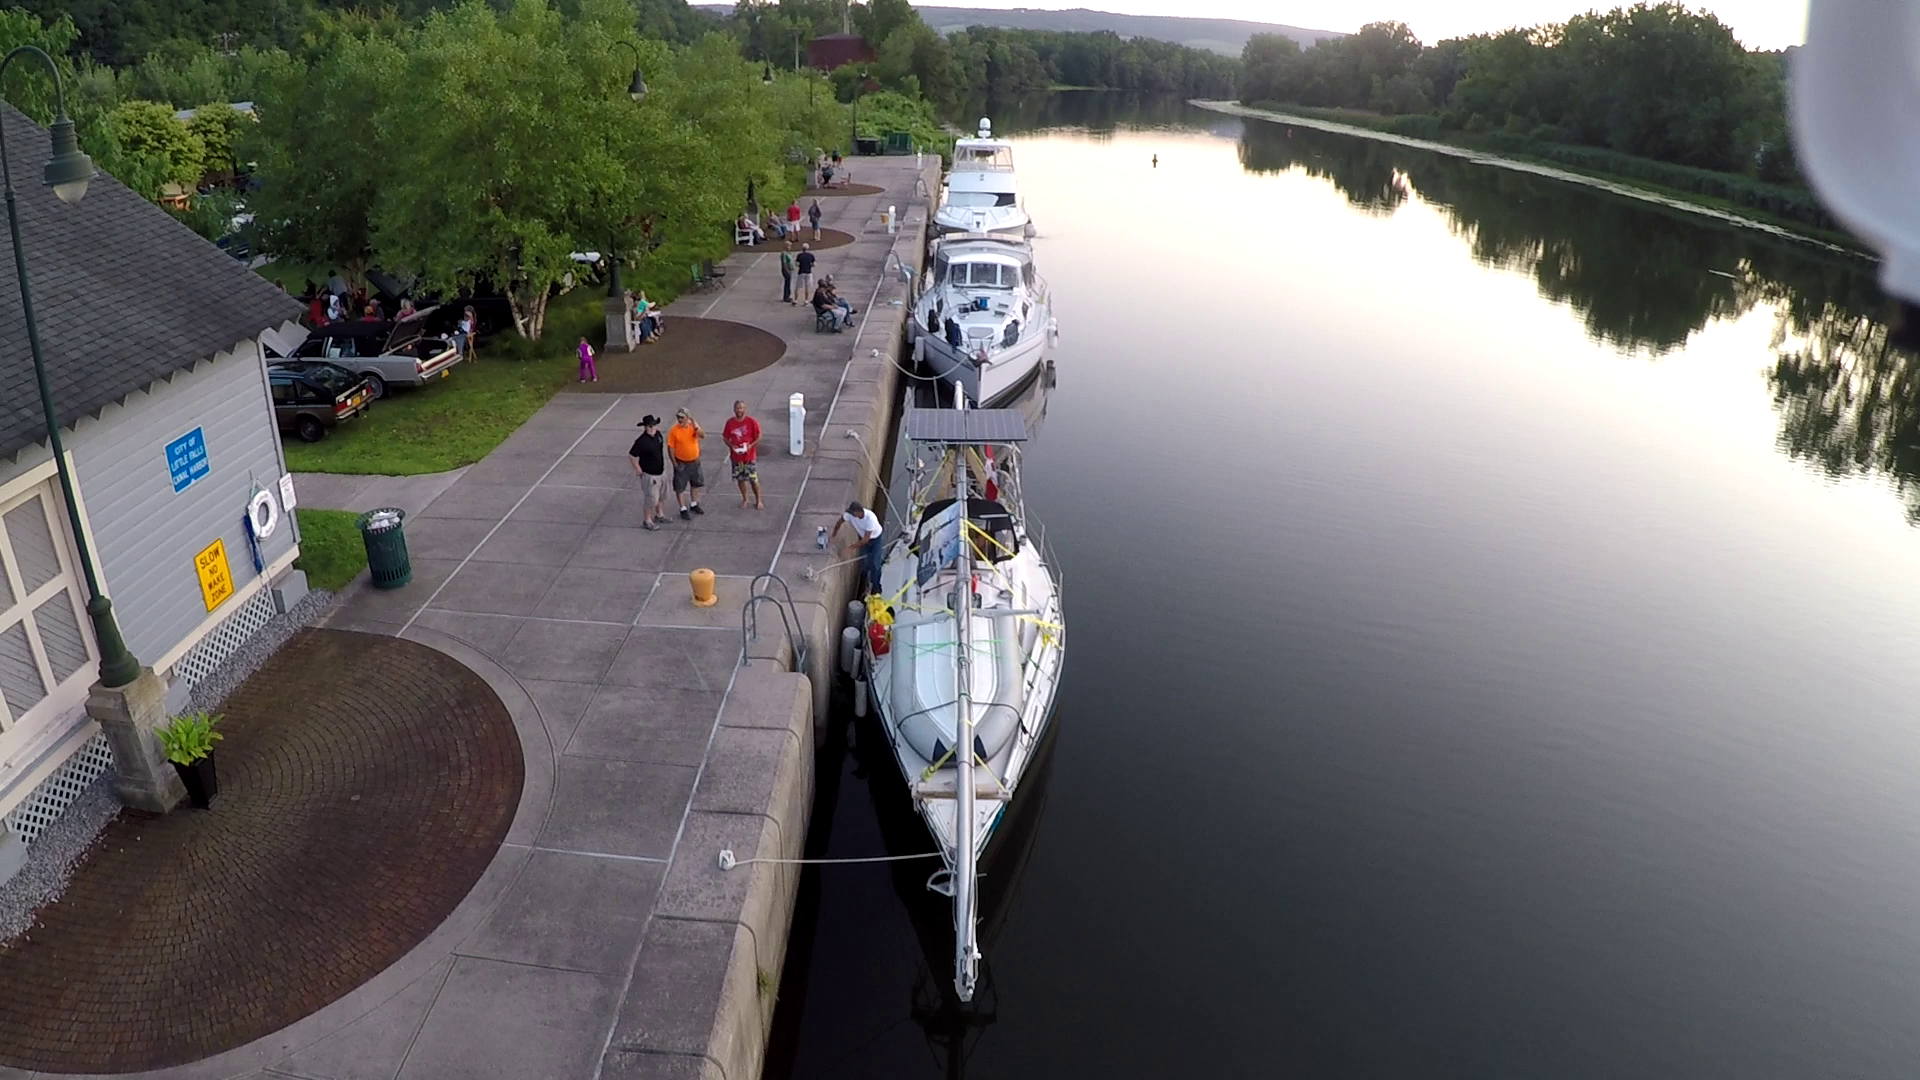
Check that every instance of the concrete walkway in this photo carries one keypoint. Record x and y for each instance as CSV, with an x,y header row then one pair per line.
x,y
603,940
344,491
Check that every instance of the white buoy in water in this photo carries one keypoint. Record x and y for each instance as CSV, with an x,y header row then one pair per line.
x,y
856,614
849,648
860,698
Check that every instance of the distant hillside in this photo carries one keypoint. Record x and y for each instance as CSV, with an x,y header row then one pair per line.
x,y
1226,36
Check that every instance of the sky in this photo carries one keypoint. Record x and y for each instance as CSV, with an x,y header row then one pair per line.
x,y
1760,24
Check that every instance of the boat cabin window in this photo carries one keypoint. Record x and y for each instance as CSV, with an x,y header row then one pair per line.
x,y
992,518
987,157
974,200
1027,273
940,266
985,275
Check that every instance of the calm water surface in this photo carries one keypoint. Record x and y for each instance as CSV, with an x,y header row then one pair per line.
x,y
1493,646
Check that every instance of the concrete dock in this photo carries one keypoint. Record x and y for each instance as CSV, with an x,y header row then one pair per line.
x,y
604,940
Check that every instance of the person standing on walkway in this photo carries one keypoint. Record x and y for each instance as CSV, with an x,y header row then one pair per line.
x,y
813,216
588,373
649,456
683,439
793,217
805,262
865,526
742,436
786,274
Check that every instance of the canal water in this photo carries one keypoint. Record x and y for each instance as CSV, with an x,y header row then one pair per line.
x,y
1492,645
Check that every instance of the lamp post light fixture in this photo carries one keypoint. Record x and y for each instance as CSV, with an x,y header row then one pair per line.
x,y
637,87
853,148
768,77
68,172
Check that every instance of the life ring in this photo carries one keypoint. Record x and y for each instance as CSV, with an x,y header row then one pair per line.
x,y
263,514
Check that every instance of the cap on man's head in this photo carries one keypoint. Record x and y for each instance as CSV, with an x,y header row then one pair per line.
x,y
683,414
649,420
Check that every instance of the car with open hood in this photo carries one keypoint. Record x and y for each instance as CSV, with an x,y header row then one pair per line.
x,y
384,352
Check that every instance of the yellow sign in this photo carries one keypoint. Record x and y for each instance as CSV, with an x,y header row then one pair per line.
x,y
216,578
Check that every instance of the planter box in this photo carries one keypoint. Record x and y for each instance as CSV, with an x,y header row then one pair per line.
x,y
203,785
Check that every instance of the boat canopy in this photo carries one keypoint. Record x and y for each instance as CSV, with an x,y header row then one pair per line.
x,y
983,269
1000,541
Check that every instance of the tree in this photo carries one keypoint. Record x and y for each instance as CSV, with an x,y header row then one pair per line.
x,y
322,162
1269,68
218,127
28,88
145,147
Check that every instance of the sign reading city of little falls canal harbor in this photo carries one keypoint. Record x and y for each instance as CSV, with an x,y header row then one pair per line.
x,y
216,577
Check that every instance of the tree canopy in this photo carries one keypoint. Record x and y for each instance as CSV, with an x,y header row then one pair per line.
x,y
1658,81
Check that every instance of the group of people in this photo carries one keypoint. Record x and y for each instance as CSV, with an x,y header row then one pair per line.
x,y
828,304
679,446
654,452
644,321
825,167
779,226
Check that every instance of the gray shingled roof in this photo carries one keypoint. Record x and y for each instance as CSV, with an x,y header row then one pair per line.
x,y
124,295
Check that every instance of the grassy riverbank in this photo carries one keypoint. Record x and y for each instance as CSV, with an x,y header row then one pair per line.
x,y
1791,208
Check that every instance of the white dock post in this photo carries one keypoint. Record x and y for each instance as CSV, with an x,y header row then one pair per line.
x,y
797,425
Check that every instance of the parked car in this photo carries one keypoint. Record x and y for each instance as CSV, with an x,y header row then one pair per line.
x,y
384,352
312,397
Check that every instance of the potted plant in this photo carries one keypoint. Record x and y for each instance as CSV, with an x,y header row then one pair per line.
x,y
188,740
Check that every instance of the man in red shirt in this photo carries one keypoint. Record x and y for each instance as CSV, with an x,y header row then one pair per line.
x,y
742,435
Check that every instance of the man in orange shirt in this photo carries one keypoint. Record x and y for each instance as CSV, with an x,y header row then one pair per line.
x,y
683,444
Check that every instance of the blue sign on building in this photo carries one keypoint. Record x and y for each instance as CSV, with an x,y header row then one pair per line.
x,y
187,459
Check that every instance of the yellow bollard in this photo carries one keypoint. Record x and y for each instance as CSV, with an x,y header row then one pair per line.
x,y
703,594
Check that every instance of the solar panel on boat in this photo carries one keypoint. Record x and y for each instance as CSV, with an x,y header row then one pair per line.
x,y
966,426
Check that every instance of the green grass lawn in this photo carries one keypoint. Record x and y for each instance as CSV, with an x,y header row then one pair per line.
x,y
331,551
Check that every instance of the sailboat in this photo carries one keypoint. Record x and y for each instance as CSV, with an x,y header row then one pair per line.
x,y
965,645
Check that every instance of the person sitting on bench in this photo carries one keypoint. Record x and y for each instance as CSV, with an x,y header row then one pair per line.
x,y
833,295
825,308
750,229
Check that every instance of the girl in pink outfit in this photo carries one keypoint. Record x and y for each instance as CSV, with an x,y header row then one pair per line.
x,y
587,371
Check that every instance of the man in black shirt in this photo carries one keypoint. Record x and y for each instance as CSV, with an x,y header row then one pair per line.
x,y
649,457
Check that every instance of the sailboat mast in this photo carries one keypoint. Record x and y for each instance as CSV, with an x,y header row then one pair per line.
x,y
966,953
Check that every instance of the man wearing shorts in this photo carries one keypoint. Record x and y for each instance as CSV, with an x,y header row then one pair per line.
x,y
742,436
683,444
649,457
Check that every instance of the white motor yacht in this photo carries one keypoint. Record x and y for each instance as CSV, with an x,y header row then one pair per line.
x,y
982,195
983,319
965,643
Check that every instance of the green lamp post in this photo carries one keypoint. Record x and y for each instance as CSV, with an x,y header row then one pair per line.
x,y
853,147
636,89
68,172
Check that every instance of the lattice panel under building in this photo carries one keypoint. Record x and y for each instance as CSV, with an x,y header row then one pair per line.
x,y
225,639
57,792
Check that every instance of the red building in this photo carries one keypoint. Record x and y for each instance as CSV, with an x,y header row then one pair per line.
x,y
830,51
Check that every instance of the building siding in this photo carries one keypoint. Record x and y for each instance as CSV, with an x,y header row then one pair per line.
x,y
145,536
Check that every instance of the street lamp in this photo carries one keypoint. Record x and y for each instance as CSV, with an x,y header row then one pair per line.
x,y
853,148
637,88
768,77
68,172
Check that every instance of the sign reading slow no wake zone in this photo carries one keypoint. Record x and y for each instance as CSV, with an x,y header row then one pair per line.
x,y
216,577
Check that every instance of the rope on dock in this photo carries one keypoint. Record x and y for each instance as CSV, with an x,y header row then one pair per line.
x,y
728,862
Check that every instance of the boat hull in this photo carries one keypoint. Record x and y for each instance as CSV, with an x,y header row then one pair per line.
x,y
1002,377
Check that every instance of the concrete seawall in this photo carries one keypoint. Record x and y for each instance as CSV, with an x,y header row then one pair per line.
x,y
717,947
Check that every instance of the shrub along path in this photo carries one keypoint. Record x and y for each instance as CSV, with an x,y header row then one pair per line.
x,y
365,783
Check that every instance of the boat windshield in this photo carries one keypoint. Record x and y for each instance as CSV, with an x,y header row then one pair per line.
x,y
983,157
984,275
972,199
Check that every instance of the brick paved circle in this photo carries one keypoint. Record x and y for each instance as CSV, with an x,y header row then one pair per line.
x,y
693,352
365,783
848,189
829,239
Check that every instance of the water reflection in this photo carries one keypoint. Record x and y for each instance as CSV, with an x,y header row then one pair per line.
x,y
1646,278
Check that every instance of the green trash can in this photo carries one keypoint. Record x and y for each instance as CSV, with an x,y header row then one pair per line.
x,y
384,534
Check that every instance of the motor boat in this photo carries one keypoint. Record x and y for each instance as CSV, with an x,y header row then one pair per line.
x,y
984,318
964,644
981,194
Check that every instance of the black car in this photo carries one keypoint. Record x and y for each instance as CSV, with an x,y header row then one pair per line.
x,y
311,398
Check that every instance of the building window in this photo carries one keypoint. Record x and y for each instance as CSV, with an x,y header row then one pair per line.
x,y
45,655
